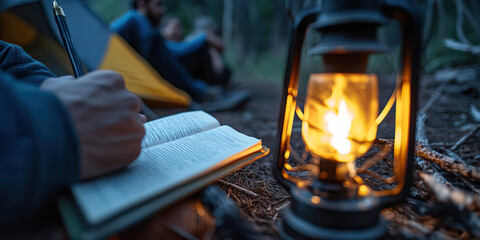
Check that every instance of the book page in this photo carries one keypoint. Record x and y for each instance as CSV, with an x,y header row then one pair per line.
x,y
177,126
160,168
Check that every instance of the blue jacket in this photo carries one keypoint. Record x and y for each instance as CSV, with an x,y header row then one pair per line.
x,y
185,48
39,153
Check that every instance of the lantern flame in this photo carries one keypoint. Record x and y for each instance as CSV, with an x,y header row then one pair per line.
x,y
339,126
339,117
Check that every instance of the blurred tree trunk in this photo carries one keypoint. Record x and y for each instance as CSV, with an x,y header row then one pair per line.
x,y
247,30
254,32
240,35
280,26
227,26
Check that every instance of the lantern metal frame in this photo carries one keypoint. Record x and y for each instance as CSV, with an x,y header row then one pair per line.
x,y
337,20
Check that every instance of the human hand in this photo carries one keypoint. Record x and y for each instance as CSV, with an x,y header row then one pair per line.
x,y
105,116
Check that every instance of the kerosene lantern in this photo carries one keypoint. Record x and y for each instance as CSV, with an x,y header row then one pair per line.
x,y
340,117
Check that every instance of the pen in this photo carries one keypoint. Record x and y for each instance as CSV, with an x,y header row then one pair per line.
x,y
61,21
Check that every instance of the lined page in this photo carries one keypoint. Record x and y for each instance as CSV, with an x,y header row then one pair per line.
x,y
160,168
177,126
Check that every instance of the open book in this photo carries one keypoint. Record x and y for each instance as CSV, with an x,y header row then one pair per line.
x,y
181,154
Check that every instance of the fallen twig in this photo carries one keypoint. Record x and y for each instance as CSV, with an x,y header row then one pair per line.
x,y
275,217
440,144
420,131
445,162
375,159
458,197
238,188
474,129
388,180
417,226
385,143
460,46
465,181
279,201
283,206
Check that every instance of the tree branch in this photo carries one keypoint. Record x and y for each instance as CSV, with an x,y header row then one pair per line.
x,y
458,197
445,162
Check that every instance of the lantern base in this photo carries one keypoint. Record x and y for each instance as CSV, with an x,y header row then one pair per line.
x,y
307,218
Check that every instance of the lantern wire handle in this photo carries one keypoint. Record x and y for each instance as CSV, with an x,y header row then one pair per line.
x,y
299,113
306,167
387,107
295,156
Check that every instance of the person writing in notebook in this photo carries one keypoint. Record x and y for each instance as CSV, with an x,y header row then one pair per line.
x,y
56,131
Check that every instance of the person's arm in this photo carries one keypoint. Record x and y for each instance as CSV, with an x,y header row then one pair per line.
x,y
21,66
66,130
39,152
180,49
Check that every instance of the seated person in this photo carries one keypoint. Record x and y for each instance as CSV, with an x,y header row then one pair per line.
x,y
201,52
139,28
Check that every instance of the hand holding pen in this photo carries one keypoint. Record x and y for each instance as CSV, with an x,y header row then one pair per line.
x,y
77,67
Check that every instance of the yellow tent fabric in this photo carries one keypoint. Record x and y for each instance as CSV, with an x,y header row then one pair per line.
x,y
140,77
15,30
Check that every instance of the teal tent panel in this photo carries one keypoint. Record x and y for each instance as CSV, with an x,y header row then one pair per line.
x,y
7,4
89,33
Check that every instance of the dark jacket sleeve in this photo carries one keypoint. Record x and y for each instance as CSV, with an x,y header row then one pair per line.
x,y
39,153
21,66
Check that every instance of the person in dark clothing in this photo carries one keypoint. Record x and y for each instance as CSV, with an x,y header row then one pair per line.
x,y
56,131
200,53
138,28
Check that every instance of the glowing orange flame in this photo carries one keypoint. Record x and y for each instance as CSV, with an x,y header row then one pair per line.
x,y
339,117
339,125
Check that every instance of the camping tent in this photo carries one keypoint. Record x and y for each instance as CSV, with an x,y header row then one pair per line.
x,y
31,24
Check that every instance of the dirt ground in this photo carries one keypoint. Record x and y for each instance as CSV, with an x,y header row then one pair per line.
x,y
449,119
